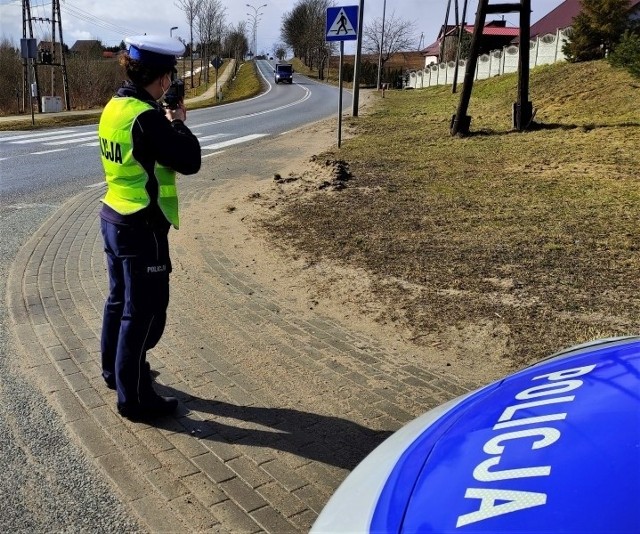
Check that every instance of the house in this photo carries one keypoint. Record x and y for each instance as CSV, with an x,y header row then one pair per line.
x,y
562,17
89,47
495,35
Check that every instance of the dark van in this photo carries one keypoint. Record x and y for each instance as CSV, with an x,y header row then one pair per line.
x,y
283,73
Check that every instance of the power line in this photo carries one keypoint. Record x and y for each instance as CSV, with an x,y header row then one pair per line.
x,y
85,16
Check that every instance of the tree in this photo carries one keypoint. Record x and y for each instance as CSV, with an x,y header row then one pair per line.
x,y
11,79
303,30
279,50
597,29
398,35
627,53
191,9
210,23
235,43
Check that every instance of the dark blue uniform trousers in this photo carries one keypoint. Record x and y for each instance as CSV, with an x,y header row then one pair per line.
x,y
136,309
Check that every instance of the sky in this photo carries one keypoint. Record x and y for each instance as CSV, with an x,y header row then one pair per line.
x,y
113,20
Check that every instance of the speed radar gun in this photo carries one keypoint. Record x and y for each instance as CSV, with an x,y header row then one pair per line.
x,y
175,94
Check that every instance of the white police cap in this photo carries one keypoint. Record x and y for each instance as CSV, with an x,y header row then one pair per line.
x,y
154,49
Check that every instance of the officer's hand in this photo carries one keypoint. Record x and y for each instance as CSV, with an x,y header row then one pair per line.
x,y
180,113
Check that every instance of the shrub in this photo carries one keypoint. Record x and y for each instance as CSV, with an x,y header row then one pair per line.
x,y
627,53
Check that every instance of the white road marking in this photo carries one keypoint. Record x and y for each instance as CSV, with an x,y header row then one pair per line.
x,y
99,184
96,143
48,151
231,142
305,97
40,134
209,137
70,141
52,138
213,154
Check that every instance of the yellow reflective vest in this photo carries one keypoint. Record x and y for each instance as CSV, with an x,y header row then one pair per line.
x,y
126,178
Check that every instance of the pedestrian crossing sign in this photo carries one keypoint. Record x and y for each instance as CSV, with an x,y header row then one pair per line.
x,y
342,23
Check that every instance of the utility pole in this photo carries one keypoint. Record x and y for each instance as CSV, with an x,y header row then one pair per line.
x,y
384,11
522,109
52,59
29,65
356,67
461,31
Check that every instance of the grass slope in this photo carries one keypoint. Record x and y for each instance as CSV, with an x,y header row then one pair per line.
x,y
535,235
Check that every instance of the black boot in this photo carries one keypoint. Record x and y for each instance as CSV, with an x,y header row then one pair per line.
x,y
151,406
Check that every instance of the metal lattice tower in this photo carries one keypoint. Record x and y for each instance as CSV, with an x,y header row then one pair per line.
x,y
47,58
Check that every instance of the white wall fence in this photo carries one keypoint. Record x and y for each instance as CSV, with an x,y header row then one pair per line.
x,y
544,50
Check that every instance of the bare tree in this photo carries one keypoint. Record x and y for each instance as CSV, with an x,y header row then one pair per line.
x,y
303,30
191,9
235,43
210,20
399,35
279,50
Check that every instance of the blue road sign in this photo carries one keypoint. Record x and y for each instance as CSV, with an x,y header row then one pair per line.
x,y
342,23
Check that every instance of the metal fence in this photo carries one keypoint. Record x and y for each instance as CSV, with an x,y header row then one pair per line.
x,y
544,50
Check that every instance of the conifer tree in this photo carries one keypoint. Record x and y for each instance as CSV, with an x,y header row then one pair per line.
x,y
597,29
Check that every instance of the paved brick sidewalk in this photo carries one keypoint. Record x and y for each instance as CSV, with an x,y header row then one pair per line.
x,y
247,452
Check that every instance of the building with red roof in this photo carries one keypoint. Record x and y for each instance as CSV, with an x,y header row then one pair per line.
x,y
562,17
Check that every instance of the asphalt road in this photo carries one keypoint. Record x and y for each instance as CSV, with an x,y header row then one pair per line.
x,y
47,484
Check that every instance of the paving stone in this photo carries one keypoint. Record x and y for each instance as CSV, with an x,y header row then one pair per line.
x,y
91,437
286,502
279,471
128,482
271,521
166,484
195,515
234,518
242,494
248,471
213,467
204,489
157,516
68,403
154,440
177,463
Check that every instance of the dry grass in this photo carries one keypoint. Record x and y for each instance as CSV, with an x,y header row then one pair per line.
x,y
537,233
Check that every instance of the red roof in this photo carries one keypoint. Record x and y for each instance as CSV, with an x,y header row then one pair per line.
x,y
491,30
562,17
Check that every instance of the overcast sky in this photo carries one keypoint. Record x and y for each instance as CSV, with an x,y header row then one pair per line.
x,y
112,20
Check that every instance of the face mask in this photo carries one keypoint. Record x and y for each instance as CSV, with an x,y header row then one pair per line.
x,y
164,91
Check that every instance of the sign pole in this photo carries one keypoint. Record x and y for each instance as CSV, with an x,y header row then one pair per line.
x,y
357,67
342,25
340,94
30,66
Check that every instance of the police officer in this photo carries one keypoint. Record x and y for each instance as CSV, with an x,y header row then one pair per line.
x,y
143,145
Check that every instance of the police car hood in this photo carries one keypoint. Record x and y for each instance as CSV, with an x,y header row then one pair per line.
x,y
553,448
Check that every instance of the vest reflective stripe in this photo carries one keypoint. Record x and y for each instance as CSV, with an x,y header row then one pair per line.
x,y
126,178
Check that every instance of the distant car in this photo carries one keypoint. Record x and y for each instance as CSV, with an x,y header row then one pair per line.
x,y
552,448
283,72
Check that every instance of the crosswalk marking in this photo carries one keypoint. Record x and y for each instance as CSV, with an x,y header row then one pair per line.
x,y
48,151
51,138
27,136
70,141
71,138
231,142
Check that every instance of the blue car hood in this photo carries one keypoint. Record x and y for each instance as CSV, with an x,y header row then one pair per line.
x,y
554,448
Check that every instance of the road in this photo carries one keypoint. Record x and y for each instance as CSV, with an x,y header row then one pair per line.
x,y
48,484
66,159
